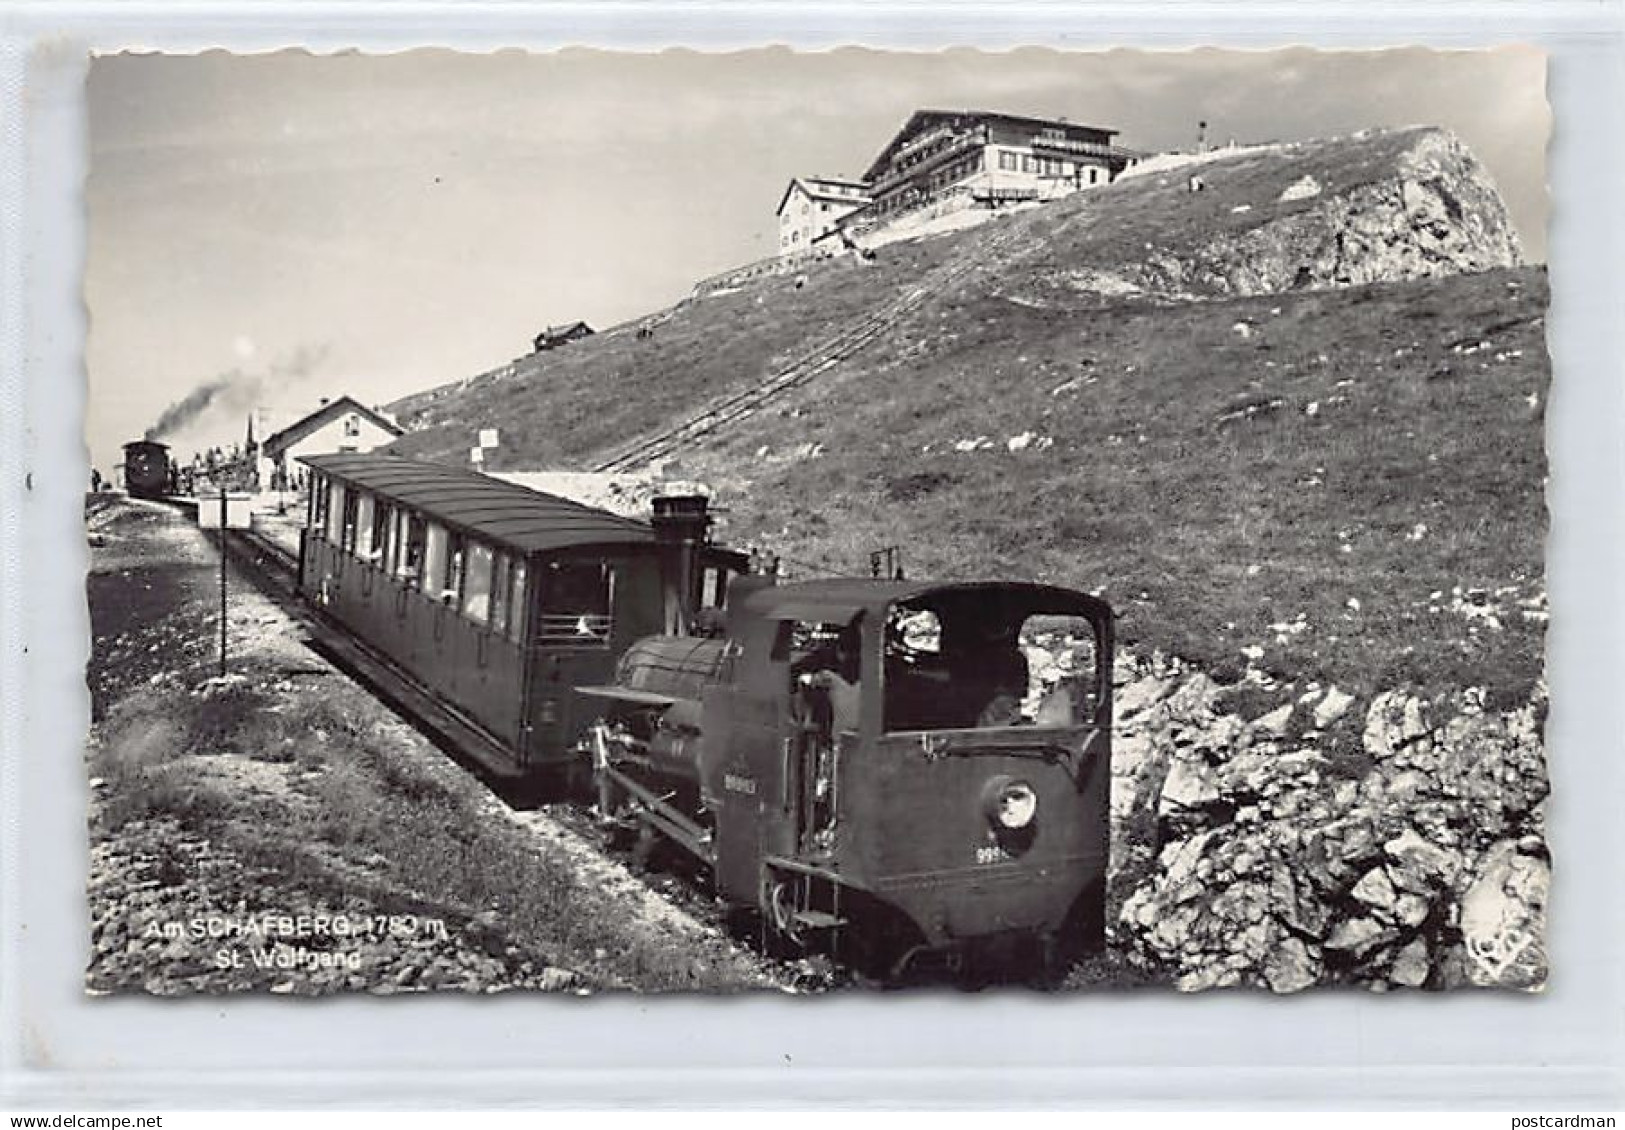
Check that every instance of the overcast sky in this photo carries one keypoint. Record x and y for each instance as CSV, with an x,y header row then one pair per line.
x,y
379,225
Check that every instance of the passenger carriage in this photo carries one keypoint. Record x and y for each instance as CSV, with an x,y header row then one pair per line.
x,y
497,600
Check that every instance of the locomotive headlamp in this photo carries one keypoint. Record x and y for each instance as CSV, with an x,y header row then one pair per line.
x,y
1011,804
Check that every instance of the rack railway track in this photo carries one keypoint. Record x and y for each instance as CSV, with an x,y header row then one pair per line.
x,y
812,364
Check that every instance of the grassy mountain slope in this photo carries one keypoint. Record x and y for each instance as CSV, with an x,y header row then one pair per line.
x,y
1358,461
1402,204
1205,404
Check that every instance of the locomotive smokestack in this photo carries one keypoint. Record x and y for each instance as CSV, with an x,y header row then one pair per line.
x,y
681,525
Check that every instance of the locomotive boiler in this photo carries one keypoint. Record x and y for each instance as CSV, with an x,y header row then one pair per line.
x,y
894,768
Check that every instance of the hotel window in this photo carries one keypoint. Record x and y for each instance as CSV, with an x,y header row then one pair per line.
x,y
1007,161
352,426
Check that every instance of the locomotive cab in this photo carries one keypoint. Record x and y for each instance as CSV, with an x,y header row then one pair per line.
x,y
949,760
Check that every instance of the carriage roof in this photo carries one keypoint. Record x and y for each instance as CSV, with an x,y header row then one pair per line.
x,y
505,513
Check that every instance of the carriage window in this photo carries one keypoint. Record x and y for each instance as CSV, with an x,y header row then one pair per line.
x,y
365,532
318,502
335,510
379,538
383,533
978,666
352,502
397,545
417,544
575,603
499,594
714,587
477,583
517,603
456,562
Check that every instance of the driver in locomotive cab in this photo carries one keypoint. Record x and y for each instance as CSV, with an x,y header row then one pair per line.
x,y
831,671
826,695
990,671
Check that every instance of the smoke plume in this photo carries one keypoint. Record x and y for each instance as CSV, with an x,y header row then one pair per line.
x,y
235,392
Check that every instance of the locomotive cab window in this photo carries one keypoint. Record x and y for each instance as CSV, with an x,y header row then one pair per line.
x,y
977,667
826,672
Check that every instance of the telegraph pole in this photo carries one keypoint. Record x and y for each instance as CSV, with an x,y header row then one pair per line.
x,y
222,578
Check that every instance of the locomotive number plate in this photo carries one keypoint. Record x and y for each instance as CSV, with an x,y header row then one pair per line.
x,y
734,783
992,853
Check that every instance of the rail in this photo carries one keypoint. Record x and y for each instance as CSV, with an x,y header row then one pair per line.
x,y
810,365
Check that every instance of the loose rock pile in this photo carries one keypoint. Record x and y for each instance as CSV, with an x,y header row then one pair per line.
x,y
1262,853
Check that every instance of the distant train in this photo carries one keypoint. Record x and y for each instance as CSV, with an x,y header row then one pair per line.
x,y
148,472
884,768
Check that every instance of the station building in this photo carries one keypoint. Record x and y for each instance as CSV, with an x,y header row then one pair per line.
x,y
340,425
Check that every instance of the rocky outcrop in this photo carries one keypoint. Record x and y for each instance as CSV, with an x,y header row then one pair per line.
x,y
1405,851
1420,206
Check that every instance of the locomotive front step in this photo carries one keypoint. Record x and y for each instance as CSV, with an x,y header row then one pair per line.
x,y
817,919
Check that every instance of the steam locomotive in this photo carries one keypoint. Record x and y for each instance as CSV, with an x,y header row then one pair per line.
x,y
147,471
886,769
